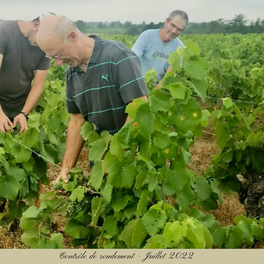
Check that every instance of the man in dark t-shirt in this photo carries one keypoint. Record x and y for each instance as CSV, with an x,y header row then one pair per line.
x,y
23,69
103,78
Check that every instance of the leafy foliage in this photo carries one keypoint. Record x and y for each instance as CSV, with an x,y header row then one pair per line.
x,y
123,202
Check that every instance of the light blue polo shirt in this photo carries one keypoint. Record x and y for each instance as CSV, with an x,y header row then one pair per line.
x,y
153,53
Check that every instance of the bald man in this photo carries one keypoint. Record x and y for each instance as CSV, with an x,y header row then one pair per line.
x,y
103,77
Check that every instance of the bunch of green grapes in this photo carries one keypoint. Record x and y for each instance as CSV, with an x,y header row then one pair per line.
x,y
74,208
58,185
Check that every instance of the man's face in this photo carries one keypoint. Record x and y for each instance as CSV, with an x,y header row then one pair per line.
x,y
173,28
59,50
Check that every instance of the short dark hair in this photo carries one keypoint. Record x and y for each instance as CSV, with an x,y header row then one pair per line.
x,y
180,13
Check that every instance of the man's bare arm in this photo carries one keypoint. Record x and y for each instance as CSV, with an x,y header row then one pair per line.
x,y
74,144
32,99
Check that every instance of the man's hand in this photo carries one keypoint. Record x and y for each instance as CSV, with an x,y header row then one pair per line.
x,y
5,123
22,120
62,175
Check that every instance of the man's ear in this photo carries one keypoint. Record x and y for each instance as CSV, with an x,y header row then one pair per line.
x,y
35,24
72,36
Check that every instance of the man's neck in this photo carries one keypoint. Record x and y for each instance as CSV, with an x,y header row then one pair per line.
x,y
163,36
24,27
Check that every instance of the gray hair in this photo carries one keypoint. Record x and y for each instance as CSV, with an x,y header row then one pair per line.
x,y
180,13
64,26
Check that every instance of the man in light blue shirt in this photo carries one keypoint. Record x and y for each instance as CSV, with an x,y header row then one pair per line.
x,y
154,46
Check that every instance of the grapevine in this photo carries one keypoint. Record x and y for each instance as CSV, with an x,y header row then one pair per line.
x,y
123,202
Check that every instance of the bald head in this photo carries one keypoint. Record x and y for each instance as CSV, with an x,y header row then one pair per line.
x,y
53,30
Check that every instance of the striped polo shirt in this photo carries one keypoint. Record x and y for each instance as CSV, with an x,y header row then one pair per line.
x,y
112,80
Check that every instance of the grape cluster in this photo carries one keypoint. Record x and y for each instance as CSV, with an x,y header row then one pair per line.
x,y
58,185
74,208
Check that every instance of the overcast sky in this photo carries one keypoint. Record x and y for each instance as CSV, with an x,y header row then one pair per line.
x,y
135,11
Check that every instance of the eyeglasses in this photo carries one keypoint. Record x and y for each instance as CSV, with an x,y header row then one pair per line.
x,y
59,54
175,27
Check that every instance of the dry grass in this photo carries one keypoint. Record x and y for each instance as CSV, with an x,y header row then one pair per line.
x,y
11,240
227,211
202,152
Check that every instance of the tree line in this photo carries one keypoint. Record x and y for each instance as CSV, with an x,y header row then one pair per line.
x,y
238,24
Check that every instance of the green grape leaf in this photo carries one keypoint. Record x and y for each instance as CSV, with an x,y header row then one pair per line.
x,y
174,59
31,212
116,148
76,228
27,223
30,237
29,165
177,90
185,197
124,135
97,175
9,187
107,191
154,242
31,137
146,118
97,149
139,234
119,202
110,225
15,172
96,209
142,204
127,233
153,221
161,140
208,238
203,189
245,228
174,232
132,108
219,237
77,194
195,68
178,179
195,233
222,133
9,143
86,129
200,87
160,100
125,176
55,242
205,117
21,153
192,47
234,237
2,138
153,182
227,102
52,138
140,179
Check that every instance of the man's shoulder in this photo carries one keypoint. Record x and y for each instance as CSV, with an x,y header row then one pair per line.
x,y
150,32
8,23
114,47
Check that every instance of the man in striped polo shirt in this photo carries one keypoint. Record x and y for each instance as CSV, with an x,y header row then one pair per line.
x,y
103,78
